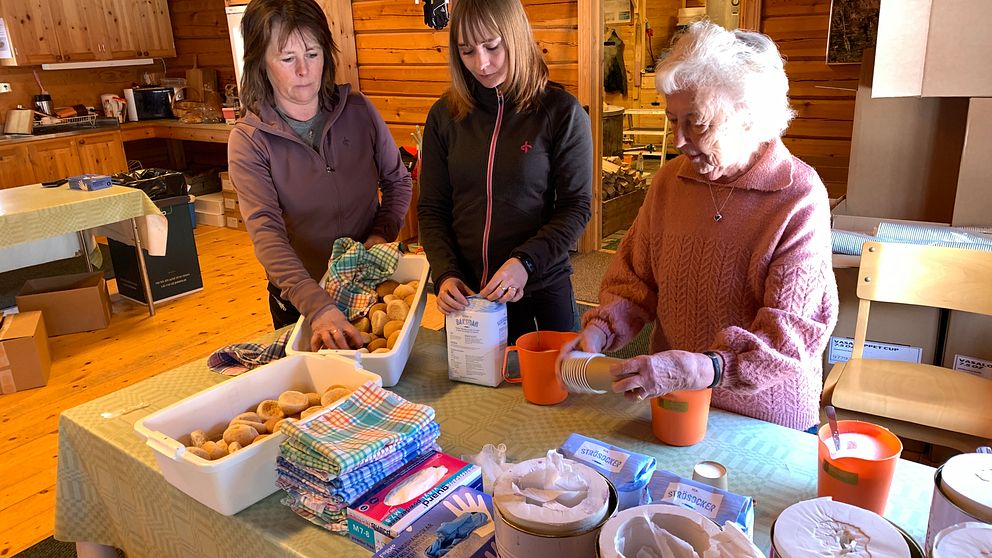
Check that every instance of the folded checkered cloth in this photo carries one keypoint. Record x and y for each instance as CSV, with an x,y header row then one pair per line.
x,y
342,439
333,521
355,272
347,488
238,358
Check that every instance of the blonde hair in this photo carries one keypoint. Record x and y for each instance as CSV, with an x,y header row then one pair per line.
x,y
527,73
737,75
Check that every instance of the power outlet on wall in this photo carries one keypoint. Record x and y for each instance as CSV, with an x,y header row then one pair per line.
x,y
4,88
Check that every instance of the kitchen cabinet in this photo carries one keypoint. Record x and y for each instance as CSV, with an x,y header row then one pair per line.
x,y
14,167
54,31
48,31
47,159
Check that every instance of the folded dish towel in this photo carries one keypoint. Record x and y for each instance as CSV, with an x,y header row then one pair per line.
x,y
238,358
354,273
365,423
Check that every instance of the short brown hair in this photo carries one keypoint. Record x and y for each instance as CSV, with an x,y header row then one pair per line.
x,y
527,73
260,18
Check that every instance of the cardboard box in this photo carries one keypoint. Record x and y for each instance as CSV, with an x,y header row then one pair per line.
x,y
225,182
414,542
176,273
233,220
24,358
70,303
372,522
967,346
231,203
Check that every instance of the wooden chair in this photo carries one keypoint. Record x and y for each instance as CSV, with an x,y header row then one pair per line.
x,y
919,401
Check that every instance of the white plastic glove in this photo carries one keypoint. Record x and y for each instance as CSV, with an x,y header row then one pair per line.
x,y
654,375
471,503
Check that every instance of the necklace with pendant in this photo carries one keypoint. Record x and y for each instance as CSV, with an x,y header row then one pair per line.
x,y
718,216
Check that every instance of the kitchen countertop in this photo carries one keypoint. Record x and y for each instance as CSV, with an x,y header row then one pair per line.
x,y
130,131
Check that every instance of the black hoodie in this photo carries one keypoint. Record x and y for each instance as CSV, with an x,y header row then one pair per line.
x,y
499,182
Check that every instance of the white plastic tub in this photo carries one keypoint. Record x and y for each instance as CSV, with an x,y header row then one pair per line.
x,y
232,483
388,365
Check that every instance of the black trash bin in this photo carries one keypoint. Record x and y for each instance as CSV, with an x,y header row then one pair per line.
x,y
176,273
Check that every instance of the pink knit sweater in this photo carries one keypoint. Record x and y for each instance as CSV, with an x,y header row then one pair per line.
x,y
756,287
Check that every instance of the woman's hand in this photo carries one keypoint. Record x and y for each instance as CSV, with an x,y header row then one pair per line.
x,y
451,296
648,376
332,330
373,240
507,284
592,339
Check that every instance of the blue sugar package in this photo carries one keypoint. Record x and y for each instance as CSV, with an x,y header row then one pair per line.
x,y
719,505
461,526
628,471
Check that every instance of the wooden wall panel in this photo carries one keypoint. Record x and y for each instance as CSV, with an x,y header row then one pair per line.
x,y
201,35
403,64
823,95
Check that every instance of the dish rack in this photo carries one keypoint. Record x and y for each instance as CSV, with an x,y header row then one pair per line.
x,y
72,122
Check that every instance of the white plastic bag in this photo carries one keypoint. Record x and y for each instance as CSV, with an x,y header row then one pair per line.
x,y
492,461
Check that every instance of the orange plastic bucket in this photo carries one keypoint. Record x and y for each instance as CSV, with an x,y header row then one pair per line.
x,y
679,418
860,477
537,352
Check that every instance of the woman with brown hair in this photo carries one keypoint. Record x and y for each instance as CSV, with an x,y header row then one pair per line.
x,y
506,176
309,161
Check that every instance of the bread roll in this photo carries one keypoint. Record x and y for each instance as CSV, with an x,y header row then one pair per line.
x,y
410,300
381,350
269,409
390,327
379,320
258,426
313,398
240,433
362,324
403,291
197,437
377,344
377,307
309,411
397,310
392,339
389,298
292,402
199,452
332,395
386,287
250,416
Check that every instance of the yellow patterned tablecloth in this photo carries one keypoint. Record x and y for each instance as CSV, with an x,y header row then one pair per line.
x,y
110,491
32,213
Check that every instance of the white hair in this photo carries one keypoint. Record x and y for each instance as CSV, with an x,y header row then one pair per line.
x,y
736,75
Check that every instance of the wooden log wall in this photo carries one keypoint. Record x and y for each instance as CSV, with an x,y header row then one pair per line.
x,y
201,35
403,64
822,94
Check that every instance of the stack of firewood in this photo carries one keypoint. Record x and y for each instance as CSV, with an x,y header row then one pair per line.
x,y
620,178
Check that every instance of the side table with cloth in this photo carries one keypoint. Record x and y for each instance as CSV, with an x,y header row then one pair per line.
x,y
110,491
31,213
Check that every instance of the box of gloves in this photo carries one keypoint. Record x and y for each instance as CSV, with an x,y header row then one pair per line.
x,y
461,525
718,505
391,359
397,502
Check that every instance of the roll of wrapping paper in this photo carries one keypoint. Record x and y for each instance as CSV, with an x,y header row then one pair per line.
x,y
951,237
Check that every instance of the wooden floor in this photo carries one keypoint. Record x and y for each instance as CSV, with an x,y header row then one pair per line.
x,y
231,308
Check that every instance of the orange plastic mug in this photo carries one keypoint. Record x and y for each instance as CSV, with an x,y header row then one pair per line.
x,y
679,418
537,352
859,477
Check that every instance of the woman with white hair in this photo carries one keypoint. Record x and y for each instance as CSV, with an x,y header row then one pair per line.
x,y
730,253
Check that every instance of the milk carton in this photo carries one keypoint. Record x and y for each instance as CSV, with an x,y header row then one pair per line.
x,y
476,342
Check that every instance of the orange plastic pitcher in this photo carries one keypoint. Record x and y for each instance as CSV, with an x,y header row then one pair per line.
x,y
679,418
862,476
537,352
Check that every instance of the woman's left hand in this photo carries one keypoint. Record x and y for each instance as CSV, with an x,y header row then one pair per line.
x,y
507,284
373,240
648,376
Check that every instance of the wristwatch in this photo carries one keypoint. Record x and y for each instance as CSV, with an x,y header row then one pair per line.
x,y
525,259
717,368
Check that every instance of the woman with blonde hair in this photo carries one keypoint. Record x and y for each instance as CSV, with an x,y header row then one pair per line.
x,y
730,253
506,177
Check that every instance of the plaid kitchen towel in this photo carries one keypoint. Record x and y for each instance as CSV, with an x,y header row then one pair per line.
x,y
238,358
334,521
367,421
349,486
354,273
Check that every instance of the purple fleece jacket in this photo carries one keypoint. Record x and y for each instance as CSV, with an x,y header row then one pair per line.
x,y
297,201
757,287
